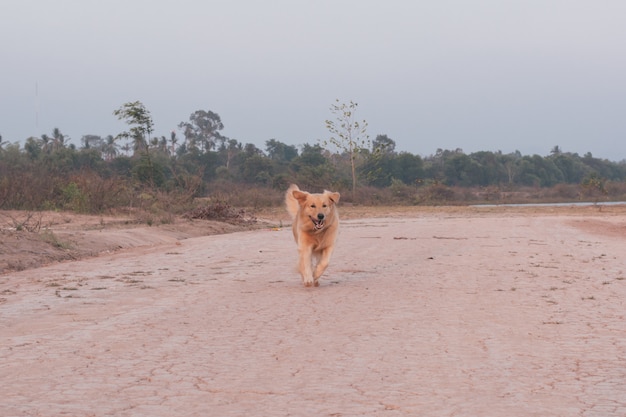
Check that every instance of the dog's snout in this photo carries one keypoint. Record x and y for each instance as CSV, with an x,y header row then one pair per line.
x,y
320,216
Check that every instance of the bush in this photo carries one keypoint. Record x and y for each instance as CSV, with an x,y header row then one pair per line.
x,y
73,198
243,195
436,193
221,211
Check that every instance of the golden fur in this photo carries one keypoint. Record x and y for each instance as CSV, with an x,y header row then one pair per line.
x,y
315,226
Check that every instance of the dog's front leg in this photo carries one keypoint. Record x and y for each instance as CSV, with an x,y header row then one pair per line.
x,y
305,267
322,264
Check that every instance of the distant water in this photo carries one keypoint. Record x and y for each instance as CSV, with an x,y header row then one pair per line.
x,y
574,204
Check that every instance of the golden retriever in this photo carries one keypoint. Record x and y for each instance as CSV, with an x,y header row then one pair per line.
x,y
315,226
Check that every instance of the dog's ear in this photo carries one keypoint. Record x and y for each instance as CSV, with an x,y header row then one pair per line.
x,y
334,197
301,196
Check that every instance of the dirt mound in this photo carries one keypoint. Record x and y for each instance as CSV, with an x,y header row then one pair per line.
x,y
30,240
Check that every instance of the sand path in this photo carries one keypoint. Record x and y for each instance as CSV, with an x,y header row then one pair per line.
x,y
438,315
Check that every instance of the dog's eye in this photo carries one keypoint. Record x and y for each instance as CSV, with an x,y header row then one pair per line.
x,y
312,205
324,205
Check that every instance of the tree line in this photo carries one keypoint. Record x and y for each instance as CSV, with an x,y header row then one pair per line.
x,y
48,172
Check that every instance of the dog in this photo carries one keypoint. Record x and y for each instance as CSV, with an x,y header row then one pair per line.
x,y
315,226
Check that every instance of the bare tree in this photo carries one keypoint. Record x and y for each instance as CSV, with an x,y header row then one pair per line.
x,y
348,135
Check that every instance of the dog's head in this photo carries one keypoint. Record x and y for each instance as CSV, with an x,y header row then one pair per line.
x,y
319,208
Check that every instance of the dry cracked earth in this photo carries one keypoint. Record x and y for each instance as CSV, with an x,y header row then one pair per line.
x,y
462,312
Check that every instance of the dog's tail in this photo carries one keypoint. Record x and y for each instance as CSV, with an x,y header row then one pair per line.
x,y
291,202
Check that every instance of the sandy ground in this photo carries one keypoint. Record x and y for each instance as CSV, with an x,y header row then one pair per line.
x,y
433,312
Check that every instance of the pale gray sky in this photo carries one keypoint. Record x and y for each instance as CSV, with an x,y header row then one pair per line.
x,y
478,75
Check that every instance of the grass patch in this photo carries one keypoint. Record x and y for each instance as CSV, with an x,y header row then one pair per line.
x,y
49,237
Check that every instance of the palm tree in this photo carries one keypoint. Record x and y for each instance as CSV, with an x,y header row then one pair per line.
x,y
109,149
45,143
174,141
126,148
58,139
163,145
556,150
